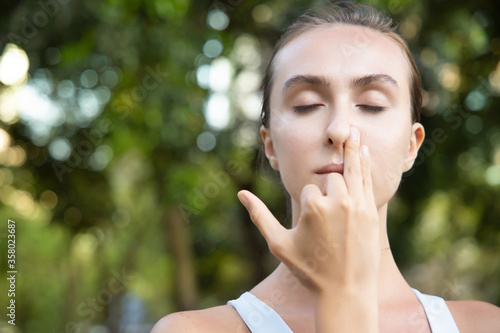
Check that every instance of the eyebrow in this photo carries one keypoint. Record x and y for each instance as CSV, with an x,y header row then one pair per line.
x,y
374,79
312,80
321,81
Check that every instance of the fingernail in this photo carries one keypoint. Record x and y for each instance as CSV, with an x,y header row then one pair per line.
x,y
354,134
364,151
243,200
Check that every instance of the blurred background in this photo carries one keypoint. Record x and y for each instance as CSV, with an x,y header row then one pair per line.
x,y
127,128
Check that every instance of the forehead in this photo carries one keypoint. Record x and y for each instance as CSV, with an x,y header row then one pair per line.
x,y
341,53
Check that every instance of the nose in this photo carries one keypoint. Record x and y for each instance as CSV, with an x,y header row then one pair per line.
x,y
338,129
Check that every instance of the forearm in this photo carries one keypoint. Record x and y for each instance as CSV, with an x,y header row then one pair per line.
x,y
343,311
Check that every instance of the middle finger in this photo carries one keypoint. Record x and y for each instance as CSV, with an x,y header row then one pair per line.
x,y
352,165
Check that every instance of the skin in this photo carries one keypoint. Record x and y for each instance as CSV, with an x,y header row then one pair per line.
x,y
336,258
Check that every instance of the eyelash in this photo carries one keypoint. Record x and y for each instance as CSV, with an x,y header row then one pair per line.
x,y
304,108
371,108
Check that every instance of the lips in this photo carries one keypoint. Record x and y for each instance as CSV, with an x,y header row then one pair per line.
x,y
330,168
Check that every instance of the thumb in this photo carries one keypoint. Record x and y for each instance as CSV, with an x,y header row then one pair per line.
x,y
265,221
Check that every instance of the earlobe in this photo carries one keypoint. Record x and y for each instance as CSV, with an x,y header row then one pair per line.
x,y
269,147
416,140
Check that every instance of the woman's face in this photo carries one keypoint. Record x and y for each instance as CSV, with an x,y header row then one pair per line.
x,y
328,80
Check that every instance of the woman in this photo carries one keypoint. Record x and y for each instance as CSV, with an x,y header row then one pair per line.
x,y
342,98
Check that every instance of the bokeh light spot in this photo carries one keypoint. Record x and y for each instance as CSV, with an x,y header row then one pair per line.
x,y
89,104
203,76
217,111
60,149
23,202
101,157
220,74
262,13
89,78
217,19
492,175
109,78
428,57
65,89
474,124
449,76
48,199
14,156
212,48
14,64
103,94
206,141
4,140
475,100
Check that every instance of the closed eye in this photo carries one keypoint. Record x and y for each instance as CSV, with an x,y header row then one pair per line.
x,y
371,108
304,108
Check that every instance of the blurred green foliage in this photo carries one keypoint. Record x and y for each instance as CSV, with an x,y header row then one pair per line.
x,y
124,144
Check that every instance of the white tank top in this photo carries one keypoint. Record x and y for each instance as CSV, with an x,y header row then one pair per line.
x,y
260,318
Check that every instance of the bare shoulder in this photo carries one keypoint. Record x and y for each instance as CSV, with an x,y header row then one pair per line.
x,y
217,319
475,316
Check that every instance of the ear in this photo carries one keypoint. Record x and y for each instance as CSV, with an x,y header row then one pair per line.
x,y
265,133
416,140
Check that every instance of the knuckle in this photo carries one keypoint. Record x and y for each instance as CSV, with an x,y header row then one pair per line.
x,y
353,169
308,201
367,181
334,175
370,216
351,146
345,203
255,215
313,206
276,247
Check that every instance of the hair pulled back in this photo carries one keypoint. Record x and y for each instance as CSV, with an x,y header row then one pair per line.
x,y
348,13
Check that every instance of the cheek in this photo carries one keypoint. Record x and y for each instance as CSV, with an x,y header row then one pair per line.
x,y
387,161
294,144
294,138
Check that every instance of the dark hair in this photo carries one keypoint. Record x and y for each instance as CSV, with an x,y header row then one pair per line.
x,y
348,13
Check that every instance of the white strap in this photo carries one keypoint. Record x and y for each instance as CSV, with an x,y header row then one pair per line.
x,y
258,316
438,314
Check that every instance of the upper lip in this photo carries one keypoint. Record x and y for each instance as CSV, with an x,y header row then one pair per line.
x,y
333,167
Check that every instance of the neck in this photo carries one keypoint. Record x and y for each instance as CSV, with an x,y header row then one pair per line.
x,y
282,289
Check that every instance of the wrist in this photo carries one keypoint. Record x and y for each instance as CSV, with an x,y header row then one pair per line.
x,y
350,289
340,311
356,294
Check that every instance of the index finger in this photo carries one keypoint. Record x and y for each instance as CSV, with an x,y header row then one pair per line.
x,y
262,217
352,165
366,173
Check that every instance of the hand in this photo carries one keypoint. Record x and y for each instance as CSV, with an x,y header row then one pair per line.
x,y
335,245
